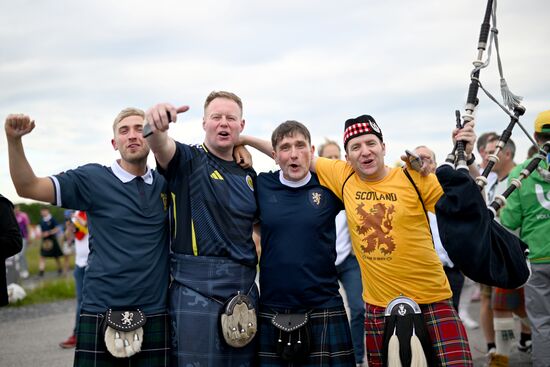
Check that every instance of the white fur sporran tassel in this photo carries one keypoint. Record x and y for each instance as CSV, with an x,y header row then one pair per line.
x,y
128,348
136,344
418,358
393,351
119,344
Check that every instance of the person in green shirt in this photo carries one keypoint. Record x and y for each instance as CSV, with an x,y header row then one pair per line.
x,y
529,209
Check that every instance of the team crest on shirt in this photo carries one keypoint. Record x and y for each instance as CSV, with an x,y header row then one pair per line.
x,y
164,199
249,182
316,198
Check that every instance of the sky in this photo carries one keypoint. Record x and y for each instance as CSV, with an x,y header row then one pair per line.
x,y
73,65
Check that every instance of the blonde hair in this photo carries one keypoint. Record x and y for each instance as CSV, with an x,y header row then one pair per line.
x,y
127,112
223,94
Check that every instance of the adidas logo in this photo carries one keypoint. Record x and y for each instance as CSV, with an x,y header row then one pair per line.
x,y
216,175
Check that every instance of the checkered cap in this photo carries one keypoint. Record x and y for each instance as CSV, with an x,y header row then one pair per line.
x,y
361,125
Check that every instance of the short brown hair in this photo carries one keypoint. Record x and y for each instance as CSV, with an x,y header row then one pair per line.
x,y
541,138
223,94
484,139
127,112
510,146
289,128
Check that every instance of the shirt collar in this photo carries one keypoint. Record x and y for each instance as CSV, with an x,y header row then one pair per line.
x,y
126,176
294,184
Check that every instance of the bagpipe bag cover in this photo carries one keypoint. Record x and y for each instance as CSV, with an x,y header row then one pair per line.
x,y
480,247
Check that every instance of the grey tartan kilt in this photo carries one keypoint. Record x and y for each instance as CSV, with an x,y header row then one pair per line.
x,y
201,286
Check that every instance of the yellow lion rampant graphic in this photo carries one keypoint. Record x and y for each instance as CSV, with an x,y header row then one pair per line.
x,y
375,227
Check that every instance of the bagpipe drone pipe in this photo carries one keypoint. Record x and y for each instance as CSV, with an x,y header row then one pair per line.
x,y
478,245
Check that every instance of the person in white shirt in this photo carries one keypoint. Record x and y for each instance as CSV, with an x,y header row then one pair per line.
x,y
347,267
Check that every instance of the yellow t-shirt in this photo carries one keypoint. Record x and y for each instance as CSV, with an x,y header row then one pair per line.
x,y
390,233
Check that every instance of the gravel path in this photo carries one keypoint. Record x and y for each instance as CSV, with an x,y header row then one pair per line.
x,y
12,314
29,336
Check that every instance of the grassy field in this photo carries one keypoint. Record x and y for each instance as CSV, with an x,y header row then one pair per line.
x,y
33,254
47,289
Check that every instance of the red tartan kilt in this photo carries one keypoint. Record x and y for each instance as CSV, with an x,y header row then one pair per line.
x,y
448,336
508,299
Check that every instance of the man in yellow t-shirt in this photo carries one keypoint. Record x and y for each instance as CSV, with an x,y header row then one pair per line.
x,y
391,238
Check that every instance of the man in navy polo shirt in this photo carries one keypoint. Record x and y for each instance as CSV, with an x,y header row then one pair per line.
x,y
213,256
297,270
127,218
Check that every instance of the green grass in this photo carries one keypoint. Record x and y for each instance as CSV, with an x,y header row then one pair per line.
x,y
33,254
49,291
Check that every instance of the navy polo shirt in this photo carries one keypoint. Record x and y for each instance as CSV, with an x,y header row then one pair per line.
x,y
127,220
297,269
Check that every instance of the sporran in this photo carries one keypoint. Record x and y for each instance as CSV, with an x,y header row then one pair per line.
x,y
294,336
238,321
47,244
406,339
123,332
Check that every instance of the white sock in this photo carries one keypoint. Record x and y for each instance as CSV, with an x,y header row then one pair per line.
x,y
525,321
504,334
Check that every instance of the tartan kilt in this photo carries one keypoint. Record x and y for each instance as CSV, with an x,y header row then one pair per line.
x,y
199,285
91,351
447,334
330,340
49,247
508,299
196,336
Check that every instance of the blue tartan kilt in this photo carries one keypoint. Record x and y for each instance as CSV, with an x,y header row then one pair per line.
x,y
197,295
91,351
330,341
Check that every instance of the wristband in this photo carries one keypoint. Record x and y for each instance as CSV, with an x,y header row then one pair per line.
x,y
471,160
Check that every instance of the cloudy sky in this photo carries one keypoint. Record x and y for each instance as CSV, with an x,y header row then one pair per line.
x,y
73,65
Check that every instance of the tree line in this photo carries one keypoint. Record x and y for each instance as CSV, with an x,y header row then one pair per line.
x,y
33,211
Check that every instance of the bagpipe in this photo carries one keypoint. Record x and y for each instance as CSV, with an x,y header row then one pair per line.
x,y
478,245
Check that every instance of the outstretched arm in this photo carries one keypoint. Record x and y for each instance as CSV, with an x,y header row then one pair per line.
x,y
265,147
26,183
262,145
313,165
242,156
158,117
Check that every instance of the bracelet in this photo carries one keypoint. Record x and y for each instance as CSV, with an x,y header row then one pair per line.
x,y
471,160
